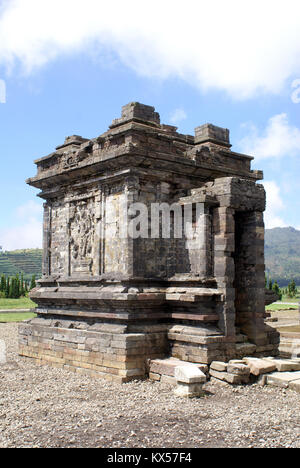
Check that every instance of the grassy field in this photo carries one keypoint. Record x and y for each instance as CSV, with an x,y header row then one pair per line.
x,y
6,318
289,300
22,303
279,306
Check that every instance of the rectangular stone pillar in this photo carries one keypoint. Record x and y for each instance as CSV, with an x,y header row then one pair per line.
x,y
250,276
224,270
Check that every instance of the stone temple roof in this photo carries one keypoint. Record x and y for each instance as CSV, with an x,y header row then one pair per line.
x,y
138,136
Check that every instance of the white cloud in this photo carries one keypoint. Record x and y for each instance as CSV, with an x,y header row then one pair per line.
x,y
275,206
295,96
278,139
240,47
27,231
177,116
2,92
31,208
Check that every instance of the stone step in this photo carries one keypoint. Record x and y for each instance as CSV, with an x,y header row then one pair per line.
x,y
199,292
180,295
283,379
194,317
202,330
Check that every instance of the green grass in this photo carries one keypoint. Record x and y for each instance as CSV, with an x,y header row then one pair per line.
x,y
278,306
22,303
6,318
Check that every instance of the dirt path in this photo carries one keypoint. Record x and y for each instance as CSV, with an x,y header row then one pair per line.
x,y
45,407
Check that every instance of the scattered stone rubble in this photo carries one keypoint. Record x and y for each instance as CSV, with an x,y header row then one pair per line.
x,y
189,378
41,406
163,370
266,371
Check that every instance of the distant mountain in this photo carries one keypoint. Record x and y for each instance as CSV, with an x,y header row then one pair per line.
x,y
282,254
28,262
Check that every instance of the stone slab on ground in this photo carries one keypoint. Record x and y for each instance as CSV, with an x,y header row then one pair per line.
x,y
229,378
189,375
295,385
167,366
259,366
219,366
282,379
285,365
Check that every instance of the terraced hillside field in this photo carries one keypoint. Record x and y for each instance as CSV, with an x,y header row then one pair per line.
x,y
282,252
28,262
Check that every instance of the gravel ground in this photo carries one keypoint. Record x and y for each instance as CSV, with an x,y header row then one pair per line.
x,y
45,407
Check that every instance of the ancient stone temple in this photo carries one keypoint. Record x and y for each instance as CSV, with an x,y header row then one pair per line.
x,y
118,288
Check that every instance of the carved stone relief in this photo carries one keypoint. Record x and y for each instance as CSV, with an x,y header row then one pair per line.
x,y
81,242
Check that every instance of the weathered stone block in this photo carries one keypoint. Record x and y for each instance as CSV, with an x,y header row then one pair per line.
x,y
282,379
189,390
218,366
189,375
229,378
284,365
260,366
238,369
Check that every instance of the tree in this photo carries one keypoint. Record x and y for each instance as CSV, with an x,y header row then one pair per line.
x,y
292,289
22,288
13,287
277,290
32,283
7,288
3,283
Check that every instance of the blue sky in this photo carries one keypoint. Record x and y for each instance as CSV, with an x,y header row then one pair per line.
x,y
68,67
